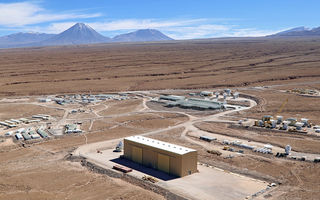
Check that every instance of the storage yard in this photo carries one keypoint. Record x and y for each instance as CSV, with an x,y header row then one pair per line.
x,y
254,138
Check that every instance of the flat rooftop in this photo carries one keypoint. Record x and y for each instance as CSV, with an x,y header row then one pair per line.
x,y
160,144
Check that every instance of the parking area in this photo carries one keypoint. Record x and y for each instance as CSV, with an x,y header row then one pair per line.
x,y
208,183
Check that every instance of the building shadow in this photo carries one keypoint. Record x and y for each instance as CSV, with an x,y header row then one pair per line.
x,y
146,170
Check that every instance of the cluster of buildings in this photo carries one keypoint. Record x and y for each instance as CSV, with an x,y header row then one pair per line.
x,y
72,128
29,134
84,98
191,103
12,123
266,149
291,124
207,100
225,93
302,91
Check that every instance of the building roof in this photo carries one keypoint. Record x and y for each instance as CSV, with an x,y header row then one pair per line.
x,y
71,126
197,103
206,93
171,97
160,144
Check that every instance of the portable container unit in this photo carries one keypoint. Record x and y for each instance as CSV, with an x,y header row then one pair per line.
x,y
305,121
19,136
273,123
24,120
316,127
235,95
8,133
12,125
206,93
227,91
40,117
263,150
288,149
26,136
285,125
15,121
246,146
122,168
268,146
217,94
260,123
34,135
279,119
226,142
9,122
44,100
42,133
206,138
4,124
33,121
292,121
267,118
20,130
225,96
298,125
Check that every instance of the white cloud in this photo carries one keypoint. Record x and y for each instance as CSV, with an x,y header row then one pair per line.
x,y
198,31
180,29
250,32
177,29
29,13
30,16
132,24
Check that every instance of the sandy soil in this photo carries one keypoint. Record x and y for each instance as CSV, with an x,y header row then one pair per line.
x,y
298,143
300,178
24,176
191,64
6,142
120,107
272,99
9,111
40,172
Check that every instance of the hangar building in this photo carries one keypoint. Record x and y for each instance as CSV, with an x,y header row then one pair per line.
x,y
170,158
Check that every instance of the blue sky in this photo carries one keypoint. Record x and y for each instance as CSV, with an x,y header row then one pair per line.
x,y
180,19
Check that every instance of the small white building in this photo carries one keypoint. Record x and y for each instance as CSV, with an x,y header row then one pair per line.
x,y
44,100
206,93
235,95
8,133
19,136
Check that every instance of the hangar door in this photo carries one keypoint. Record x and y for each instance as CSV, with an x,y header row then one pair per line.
x,y
163,163
137,154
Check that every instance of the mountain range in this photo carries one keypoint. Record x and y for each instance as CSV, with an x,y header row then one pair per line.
x,y
143,35
298,32
79,33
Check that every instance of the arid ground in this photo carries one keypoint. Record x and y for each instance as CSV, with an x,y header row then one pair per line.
x,y
192,64
40,171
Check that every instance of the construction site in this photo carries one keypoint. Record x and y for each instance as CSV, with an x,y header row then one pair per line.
x,y
139,128
169,140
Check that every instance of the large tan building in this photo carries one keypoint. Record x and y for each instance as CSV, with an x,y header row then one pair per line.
x,y
170,158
